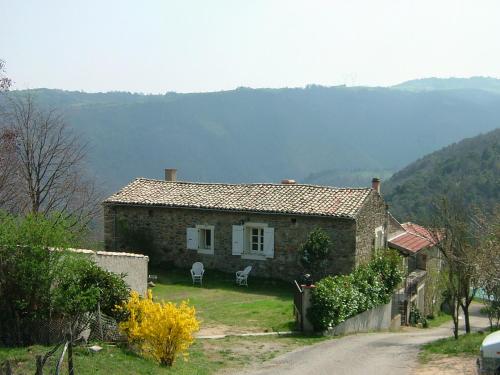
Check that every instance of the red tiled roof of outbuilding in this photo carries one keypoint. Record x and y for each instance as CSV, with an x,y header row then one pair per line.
x,y
414,239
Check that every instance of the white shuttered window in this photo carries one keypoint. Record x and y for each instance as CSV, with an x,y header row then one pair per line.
x,y
238,239
269,242
253,241
192,238
201,239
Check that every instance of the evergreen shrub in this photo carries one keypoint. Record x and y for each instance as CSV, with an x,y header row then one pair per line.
x,y
337,298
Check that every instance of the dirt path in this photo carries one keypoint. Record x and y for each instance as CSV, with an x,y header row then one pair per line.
x,y
448,366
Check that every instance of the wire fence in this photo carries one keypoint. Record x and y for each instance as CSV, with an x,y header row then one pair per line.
x,y
63,334
104,328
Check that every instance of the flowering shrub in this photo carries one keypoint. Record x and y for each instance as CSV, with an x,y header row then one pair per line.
x,y
337,298
160,330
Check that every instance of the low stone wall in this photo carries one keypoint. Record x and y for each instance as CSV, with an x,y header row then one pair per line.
x,y
135,266
376,319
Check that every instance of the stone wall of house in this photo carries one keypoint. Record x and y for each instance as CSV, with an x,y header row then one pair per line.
x,y
134,266
163,231
372,215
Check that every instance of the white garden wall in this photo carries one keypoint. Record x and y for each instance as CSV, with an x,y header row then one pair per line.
x,y
376,319
135,266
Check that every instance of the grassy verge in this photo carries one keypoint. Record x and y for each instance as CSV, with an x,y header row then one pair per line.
x,y
465,345
205,356
439,320
265,305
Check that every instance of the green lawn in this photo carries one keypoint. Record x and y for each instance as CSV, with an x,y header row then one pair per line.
x,y
205,356
265,305
439,320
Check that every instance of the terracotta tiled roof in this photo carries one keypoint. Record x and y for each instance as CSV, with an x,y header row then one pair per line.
x,y
414,239
271,198
418,229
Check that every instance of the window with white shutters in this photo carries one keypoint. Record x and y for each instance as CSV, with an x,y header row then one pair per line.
x,y
253,241
201,239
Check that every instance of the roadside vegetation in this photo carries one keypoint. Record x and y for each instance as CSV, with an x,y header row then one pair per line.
x,y
337,298
467,345
438,320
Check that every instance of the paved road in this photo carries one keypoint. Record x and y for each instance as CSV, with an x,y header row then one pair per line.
x,y
371,353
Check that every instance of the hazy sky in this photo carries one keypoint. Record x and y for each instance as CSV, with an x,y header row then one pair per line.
x,y
207,45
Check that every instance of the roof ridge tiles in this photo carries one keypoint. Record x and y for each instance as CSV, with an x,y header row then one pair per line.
x,y
296,199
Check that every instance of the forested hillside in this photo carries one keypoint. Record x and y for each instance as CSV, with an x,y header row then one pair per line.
x,y
468,170
324,135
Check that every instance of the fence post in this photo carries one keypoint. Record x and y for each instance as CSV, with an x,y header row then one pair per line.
x,y
61,358
99,321
39,365
70,354
8,369
306,303
297,307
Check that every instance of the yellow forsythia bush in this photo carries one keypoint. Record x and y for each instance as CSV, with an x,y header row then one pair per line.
x,y
160,330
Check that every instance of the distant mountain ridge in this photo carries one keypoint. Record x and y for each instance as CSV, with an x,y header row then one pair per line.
x,y
431,84
469,169
326,135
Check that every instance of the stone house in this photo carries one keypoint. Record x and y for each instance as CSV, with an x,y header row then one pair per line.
x,y
230,226
421,262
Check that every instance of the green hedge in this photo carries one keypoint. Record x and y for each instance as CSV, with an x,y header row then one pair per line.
x,y
40,286
337,298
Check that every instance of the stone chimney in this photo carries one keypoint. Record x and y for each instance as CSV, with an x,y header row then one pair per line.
x,y
170,174
376,184
288,182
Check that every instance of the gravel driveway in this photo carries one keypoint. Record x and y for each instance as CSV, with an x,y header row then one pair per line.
x,y
361,354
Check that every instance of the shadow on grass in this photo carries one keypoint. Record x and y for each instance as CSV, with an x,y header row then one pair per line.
x,y
214,279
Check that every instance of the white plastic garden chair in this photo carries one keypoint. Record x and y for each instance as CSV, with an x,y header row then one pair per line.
x,y
197,272
242,276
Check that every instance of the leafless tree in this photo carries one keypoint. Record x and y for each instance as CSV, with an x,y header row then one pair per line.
x,y
8,168
489,264
5,82
456,236
50,163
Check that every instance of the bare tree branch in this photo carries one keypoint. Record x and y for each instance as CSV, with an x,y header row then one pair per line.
x,y
458,234
49,158
5,82
8,168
